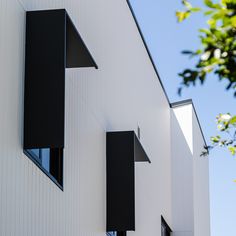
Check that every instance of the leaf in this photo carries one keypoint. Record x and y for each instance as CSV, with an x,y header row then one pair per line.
x,y
220,127
232,150
233,120
212,23
226,22
210,4
198,52
215,139
225,2
187,4
233,21
218,15
206,31
195,9
207,13
182,15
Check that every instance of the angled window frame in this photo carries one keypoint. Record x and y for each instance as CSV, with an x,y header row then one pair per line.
x,y
34,159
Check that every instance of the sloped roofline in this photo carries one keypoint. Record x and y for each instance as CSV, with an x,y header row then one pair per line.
x,y
175,104
146,47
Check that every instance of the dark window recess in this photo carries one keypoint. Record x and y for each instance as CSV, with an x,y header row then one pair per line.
x,y
165,229
50,160
123,150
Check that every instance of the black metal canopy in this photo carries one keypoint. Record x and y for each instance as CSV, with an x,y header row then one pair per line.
x,y
123,150
139,152
52,45
77,54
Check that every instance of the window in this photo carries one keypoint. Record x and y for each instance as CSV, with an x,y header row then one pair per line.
x,y
50,160
115,233
165,229
111,233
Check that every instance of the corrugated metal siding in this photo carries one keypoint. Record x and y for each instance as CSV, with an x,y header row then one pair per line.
x,y
201,184
11,168
182,178
123,93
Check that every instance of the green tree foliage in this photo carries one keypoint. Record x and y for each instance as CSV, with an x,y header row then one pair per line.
x,y
226,124
216,55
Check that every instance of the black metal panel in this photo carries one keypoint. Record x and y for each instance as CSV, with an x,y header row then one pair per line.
x,y
52,43
139,154
122,233
123,149
166,226
77,53
44,79
56,164
120,181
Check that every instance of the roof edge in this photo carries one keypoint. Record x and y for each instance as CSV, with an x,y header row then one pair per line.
x,y
147,49
181,103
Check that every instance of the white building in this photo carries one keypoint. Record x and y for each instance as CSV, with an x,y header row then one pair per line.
x,y
66,194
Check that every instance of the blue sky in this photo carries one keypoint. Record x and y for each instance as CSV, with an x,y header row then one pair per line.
x,y
166,39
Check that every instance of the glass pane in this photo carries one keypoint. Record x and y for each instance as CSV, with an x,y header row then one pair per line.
x,y
45,156
51,160
111,234
35,152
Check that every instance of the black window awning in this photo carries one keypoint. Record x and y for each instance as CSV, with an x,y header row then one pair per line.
x,y
52,45
77,54
139,152
123,150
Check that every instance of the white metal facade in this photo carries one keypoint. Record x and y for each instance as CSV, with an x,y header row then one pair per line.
x,y
190,176
122,94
